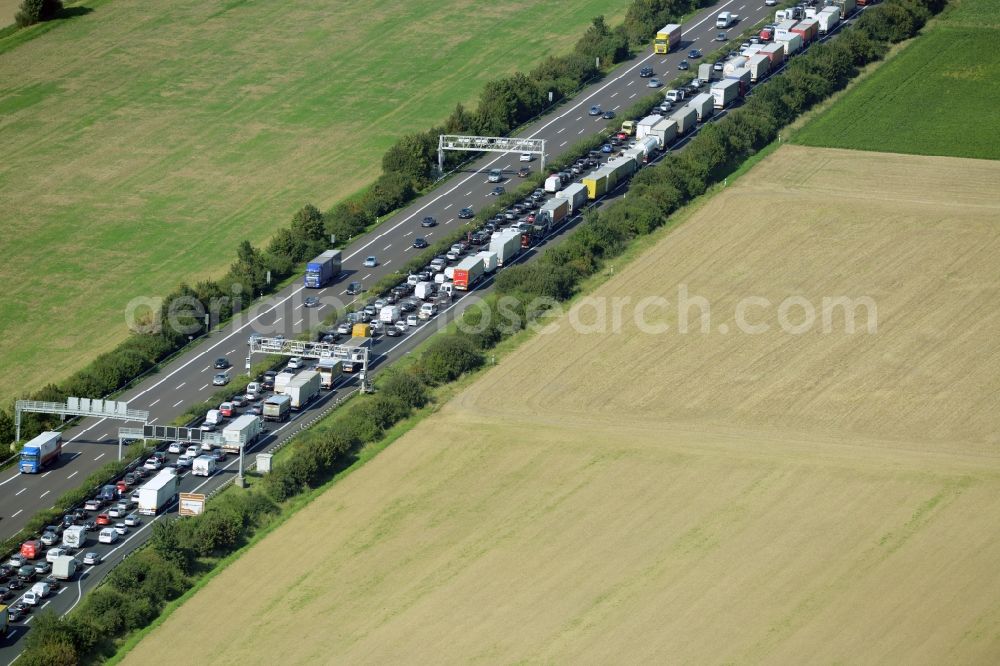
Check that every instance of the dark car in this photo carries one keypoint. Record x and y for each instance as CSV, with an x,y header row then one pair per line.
x,y
683,65
428,222
646,72
694,53
595,110
407,305
221,363
68,520
524,172
392,332
26,572
720,37
4,594
466,213
606,148
310,301
354,288
15,613
239,400
256,409
268,380
608,115
17,583
420,243
497,191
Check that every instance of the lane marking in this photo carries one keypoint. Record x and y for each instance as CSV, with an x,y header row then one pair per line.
x,y
631,96
73,474
181,386
14,515
154,402
46,474
615,93
98,457
563,129
387,262
563,144
299,322
176,404
203,387
276,321
367,276
19,492
157,418
578,119
408,233
44,494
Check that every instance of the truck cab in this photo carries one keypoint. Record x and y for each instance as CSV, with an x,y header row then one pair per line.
x,y
628,127
725,19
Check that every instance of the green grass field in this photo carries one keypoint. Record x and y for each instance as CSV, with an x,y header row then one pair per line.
x,y
143,141
939,96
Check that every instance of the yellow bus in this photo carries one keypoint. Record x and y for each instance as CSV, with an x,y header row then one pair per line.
x,y
667,38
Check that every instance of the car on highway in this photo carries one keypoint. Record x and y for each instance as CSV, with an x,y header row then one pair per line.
x,y
133,520
654,83
5,593
606,148
525,157
107,535
226,409
151,464
102,519
392,331
221,379
16,613
420,242
412,320
49,538
310,301
92,505
295,362
646,72
608,115
371,261
354,289
121,528
344,328
770,3
26,572
42,567
694,54
428,222
221,363
495,176
466,213
497,191
683,65
720,37
595,110
54,553
115,512
524,172
91,558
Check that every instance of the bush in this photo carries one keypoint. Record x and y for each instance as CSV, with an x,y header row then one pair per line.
x,y
447,357
35,11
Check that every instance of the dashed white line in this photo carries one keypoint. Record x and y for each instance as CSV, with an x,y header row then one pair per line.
x,y
740,7
98,457
578,118
407,248
632,95
581,131
44,494
157,418
19,492
102,437
297,306
367,276
387,262
617,107
343,292
299,322
614,93
560,130
630,83
231,351
563,144
15,516
46,474
663,62
176,404
387,247
73,474
154,402
408,233
180,386
428,234
203,387
276,321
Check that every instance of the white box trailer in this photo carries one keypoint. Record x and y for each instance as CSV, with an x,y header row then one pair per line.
x,y
203,466
576,195
64,567
390,314
742,75
643,126
706,72
725,92
302,389
665,132
506,245
776,52
552,212
733,64
489,260
425,290
158,492
791,44
75,536
244,431
703,105
759,66
828,19
281,381
686,118
553,183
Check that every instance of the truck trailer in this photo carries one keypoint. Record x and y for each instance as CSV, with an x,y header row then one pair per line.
x,y
808,29
791,44
703,105
158,492
506,245
302,389
596,183
759,66
667,38
686,118
643,126
828,19
64,567
322,270
552,213
776,54
244,431
576,195
706,72
489,260
725,92
665,132
278,407
467,273
40,452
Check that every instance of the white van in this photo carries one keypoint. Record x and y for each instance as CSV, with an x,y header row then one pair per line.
x,y
428,310
53,554
37,592
253,391
203,466
107,535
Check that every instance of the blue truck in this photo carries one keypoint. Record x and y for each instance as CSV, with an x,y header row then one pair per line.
x,y
323,270
40,452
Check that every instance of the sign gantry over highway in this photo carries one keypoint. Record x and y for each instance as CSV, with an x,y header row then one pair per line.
x,y
95,407
489,144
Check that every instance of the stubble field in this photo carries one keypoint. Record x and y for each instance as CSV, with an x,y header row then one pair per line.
x,y
685,498
143,141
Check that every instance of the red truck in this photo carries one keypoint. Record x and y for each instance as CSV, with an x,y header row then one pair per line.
x,y
467,273
808,29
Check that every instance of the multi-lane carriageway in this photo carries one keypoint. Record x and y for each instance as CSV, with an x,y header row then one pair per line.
x,y
188,379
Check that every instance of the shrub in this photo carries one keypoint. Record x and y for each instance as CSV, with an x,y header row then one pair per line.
x,y
35,11
447,357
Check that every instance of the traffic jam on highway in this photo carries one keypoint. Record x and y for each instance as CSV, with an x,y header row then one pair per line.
x,y
86,536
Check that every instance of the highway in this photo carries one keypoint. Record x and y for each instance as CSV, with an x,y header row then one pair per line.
x,y
188,378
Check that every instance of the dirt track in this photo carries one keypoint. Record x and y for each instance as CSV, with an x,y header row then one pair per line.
x,y
697,498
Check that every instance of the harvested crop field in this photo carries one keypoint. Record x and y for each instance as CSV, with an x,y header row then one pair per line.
x,y
143,141
709,497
